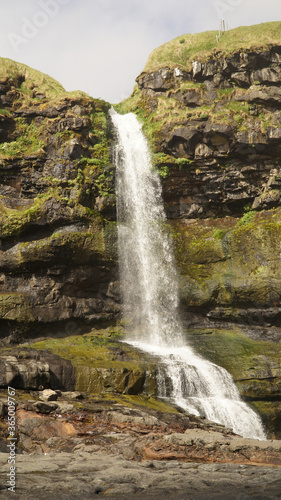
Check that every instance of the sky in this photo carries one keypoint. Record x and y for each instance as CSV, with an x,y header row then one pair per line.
x,y
101,46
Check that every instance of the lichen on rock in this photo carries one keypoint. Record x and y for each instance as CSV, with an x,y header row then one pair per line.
x,y
56,196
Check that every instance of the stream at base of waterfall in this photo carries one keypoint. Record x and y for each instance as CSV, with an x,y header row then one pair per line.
x,y
149,285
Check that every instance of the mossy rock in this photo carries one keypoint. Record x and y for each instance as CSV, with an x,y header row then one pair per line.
x,y
255,258
202,260
77,248
120,380
103,364
254,365
230,262
16,306
271,416
49,209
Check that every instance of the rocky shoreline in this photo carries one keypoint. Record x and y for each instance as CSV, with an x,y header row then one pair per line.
x,y
71,444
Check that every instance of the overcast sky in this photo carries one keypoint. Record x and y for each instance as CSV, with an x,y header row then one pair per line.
x,y
100,46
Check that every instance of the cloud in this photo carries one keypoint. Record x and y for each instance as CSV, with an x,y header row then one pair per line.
x,y
101,46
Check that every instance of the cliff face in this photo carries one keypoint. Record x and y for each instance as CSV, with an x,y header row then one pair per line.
x,y
56,203
211,110
220,129
213,118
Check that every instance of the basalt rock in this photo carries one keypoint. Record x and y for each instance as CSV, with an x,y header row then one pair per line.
x,y
30,369
57,266
219,127
215,133
243,67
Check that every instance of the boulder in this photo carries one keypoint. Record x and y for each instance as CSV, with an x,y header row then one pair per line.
x,y
241,78
31,369
43,407
48,395
160,80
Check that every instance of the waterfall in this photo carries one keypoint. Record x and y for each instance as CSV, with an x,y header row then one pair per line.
x,y
149,286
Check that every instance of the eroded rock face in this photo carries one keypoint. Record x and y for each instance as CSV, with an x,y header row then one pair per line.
x,y
30,369
216,135
57,266
244,67
223,118
58,270
215,130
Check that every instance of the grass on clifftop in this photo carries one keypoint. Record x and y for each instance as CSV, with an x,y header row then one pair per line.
x,y
34,78
181,51
27,79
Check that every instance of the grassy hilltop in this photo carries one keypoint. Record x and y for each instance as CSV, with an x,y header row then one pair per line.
x,y
181,51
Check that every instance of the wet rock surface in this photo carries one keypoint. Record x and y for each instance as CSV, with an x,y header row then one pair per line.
x,y
103,446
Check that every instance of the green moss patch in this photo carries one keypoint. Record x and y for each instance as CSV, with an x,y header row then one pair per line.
x,y
14,221
142,401
28,141
77,248
15,306
202,258
271,412
91,348
244,358
229,262
103,364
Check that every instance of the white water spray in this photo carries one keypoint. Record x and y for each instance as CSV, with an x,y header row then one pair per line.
x,y
150,291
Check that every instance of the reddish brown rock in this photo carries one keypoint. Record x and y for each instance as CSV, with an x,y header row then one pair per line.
x,y
35,430
208,446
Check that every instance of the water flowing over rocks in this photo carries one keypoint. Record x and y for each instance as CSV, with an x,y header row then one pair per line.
x,y
147,271
213,122
214,126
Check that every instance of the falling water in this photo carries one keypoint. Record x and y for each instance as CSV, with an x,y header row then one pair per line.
x,y
150,291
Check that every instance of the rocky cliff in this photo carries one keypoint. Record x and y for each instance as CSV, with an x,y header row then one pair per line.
x,y
56,203
211,109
